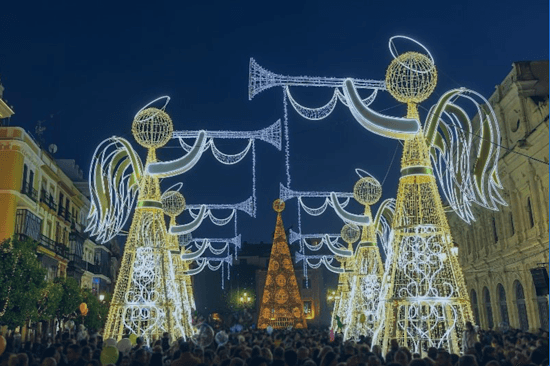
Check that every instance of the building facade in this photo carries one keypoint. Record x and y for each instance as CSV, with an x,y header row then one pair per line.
x,y
504,254
39,201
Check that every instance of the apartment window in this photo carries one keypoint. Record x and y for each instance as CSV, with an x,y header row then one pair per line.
x,y
530,212
28,224
31,180
521,307
308,309
58,233
495,233
475,309
60,207
488,308
542,302
48,232
25,173
502,304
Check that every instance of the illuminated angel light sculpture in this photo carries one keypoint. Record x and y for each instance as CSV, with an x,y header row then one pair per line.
x,y
361,270
146,300
360,309
424,294
153,294
173,204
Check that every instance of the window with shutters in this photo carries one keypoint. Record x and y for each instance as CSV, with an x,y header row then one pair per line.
x,y
542,303
475,309
488,308
521,307
502,304
530,212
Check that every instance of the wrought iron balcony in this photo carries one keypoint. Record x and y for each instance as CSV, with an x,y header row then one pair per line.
x,y
47,199
58,248
47,243
77,261
29,191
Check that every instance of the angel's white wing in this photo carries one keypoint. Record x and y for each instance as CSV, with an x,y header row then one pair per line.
x,y
115,173
465,152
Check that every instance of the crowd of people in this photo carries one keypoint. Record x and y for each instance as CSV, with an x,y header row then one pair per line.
x,y
309,347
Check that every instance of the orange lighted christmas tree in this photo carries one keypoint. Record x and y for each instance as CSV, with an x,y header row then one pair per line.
x,y
281,305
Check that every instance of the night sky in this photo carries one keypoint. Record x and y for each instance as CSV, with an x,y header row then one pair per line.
x,y
86,71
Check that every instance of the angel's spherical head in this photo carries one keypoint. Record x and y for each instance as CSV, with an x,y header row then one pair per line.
x,y
350,233
152,128
173,203
411,77
367,191
278,205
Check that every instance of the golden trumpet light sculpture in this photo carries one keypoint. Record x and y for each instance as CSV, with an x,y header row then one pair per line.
x,y
281,305
423,294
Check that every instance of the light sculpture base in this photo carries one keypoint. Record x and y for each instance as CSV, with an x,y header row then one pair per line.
x,y
147,299
424,294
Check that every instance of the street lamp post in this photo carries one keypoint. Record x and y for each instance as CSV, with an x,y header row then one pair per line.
x,y
245,299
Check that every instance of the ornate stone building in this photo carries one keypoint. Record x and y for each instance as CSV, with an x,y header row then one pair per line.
x,y
47,200
504,254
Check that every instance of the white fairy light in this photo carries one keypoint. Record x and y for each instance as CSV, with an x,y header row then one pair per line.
x,y
423,293
247,206
153,293
294,236
286,193
235,241
287,141
113,188
261,79
270,134
454,153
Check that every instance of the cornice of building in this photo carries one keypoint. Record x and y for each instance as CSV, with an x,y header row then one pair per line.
x,y
5,110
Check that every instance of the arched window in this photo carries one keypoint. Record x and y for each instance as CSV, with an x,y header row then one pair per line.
x,y
530,212
488,308
543,312
512,228
522,309
502,304
475,309
495,233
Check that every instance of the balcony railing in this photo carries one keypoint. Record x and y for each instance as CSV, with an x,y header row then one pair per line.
x,y
77,261
28,190
57,248
48,199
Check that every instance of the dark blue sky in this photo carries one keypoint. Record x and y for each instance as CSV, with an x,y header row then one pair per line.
x,y
93,67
